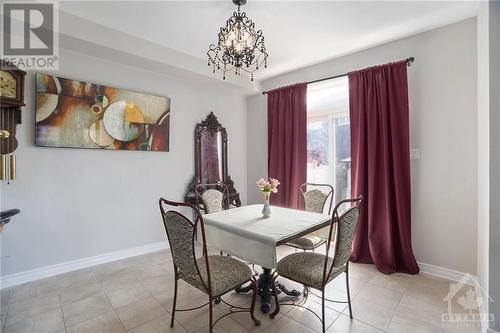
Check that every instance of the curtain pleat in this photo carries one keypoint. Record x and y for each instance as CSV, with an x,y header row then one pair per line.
x,y
287,142
380,152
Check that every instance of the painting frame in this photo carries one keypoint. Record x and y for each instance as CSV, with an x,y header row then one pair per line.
x,y
72,113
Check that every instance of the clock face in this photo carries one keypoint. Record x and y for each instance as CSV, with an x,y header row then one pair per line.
x,y
8,85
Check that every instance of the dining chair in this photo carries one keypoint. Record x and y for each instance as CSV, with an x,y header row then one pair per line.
x,y
214,275
212,197
315,270
315,200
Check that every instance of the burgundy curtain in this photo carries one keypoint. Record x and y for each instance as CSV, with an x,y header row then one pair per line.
x,y
287,141
380,148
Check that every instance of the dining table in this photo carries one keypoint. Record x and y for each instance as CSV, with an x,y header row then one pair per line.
x,y
243,232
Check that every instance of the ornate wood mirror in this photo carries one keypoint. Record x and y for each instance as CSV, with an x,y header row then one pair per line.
x,y
210,159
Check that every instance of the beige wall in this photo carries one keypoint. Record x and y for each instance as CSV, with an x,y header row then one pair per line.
x,y
483,145
443,125
494,269
78,203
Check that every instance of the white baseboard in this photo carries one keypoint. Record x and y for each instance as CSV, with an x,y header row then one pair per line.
x,y
439,271
48,271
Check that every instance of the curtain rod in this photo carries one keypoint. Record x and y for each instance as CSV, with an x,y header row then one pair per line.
x,y
408,62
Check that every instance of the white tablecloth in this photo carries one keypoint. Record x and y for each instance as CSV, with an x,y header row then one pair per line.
x,y
244,233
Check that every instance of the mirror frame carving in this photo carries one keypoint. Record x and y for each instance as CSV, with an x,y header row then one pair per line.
x,y
212,125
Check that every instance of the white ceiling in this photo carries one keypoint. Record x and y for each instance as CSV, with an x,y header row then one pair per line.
x,y
297,33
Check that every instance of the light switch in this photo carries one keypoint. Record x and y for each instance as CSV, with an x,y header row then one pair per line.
x,y
414,154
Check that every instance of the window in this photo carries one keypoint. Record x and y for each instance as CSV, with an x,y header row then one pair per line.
x,y
328,136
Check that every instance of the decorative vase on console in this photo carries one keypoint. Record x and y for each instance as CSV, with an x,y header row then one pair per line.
x,y
267,187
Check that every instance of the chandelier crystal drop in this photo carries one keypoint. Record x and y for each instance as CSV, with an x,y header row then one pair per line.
x,y
240,47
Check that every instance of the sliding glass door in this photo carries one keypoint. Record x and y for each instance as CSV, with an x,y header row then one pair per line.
x,y
328,136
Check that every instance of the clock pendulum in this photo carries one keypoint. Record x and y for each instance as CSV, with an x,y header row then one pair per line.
x,y
11,101
8,145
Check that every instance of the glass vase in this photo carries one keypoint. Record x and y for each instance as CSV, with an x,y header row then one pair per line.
x,y
266,211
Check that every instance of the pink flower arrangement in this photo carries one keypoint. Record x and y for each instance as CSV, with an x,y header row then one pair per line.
x,y
270,185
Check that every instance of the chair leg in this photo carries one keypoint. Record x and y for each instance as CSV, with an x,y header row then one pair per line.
x,y
254,298
323,310
275,292
210,319
174,303
348,291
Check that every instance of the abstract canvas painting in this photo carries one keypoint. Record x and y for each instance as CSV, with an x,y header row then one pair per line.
x,y
78,114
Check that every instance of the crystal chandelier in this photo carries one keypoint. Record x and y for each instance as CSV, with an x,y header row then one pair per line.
x,y
240,47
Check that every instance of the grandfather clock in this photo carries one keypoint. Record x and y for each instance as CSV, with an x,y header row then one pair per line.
x,y
11,101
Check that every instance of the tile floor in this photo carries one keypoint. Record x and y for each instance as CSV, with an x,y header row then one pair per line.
x,y
135,295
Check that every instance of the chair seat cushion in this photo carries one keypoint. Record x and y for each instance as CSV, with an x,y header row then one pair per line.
x,y
226,273
308,242
307,268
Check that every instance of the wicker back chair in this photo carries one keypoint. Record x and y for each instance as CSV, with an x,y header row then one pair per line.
x,y
199,272
315,200
315,270
212,197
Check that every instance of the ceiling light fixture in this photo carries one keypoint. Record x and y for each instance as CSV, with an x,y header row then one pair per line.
x,y
240,47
